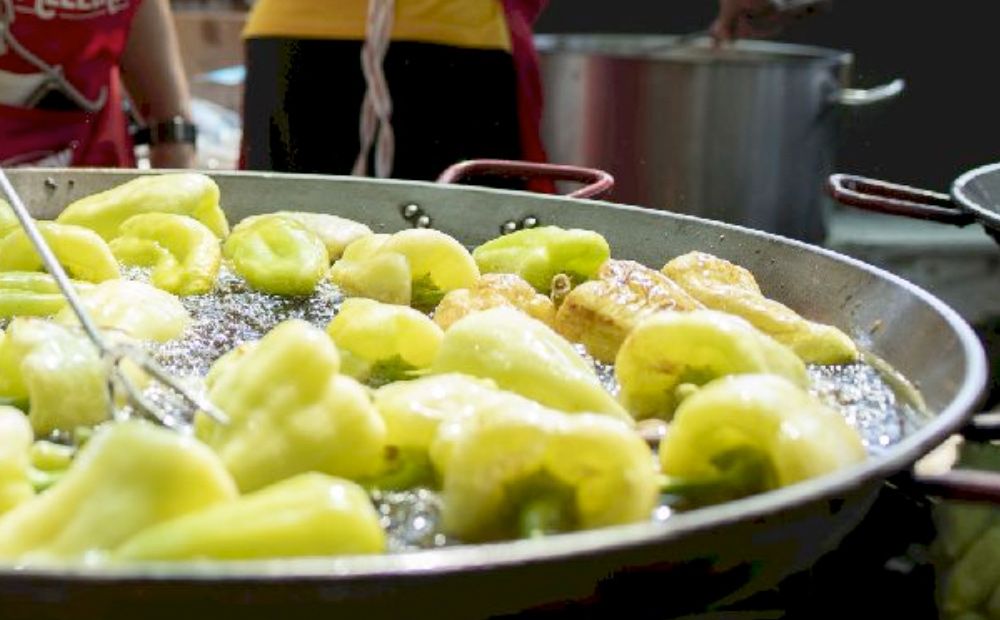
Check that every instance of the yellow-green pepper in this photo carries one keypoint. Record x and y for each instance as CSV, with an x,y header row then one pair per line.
x,y
308,515
138,310
539,254
722,285
182,193
15,460
525,356
670,353
184,254
81,252
32,293
380,343
751,433
414,267
277,255
58,371
130,476
335,232
8,221
291,412
515,468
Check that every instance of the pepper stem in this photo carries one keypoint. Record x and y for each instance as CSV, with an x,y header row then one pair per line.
x,y
542,516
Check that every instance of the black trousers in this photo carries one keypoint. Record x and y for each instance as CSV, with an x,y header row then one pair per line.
x,y
302,106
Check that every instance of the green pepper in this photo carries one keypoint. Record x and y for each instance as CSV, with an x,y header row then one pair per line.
x,y
129,477
15,460
291,412
138,310
722,285
335,232
183,193
308,515
670,353
31,293
512,467
539,254
765,425
414,267
277,255
525,356
55,369
374,338
8,220
81,252
184,254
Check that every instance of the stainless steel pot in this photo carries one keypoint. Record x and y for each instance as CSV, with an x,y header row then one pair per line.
x,y
695,557
745,134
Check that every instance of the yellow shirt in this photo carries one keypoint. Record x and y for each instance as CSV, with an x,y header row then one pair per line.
x,y
461,23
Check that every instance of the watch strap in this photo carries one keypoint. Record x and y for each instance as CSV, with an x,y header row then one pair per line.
x,y
176,130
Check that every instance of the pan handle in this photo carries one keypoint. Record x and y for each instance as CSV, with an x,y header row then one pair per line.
x,y
895,199
966,484
597,182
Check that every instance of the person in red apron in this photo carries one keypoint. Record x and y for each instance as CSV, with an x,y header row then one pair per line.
x,y
61,102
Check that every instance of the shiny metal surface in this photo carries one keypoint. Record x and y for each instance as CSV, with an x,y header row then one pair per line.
x,y
720,551
745,134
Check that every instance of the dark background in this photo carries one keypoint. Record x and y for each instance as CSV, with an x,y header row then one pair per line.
x,y
946,122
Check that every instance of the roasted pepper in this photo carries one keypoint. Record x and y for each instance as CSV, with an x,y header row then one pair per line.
x,y
381,343
82,253
515,468
31,293
335,232
525,356
599,314
722,285
183,193
290,412
771,431
15,461
494,290
184,254
414,267
670,353
130,476
277,255
57,371
538,254
138,310
308,515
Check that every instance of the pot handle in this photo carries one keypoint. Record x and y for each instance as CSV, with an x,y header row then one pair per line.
x,y
597,182
895,199
966,484
860,97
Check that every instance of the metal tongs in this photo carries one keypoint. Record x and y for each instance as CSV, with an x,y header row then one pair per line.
x,y
113,355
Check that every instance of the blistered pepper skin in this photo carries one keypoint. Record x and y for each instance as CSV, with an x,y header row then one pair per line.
x,y
511,454
31,293
494,290
185,193
671,350
539,254
525,356
799,437
128,477
139,310
727,287
308,515
291,412
81,252
184,253
277,255
15,446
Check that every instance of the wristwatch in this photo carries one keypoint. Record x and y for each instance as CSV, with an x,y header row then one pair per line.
x,y
176,130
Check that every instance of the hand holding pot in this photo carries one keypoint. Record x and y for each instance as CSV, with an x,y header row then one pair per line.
x,y
740,19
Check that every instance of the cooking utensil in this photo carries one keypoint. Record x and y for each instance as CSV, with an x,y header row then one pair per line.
x,y
114,355
974,198
673,566
744,133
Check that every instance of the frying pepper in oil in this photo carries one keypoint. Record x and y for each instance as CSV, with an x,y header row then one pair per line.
x,y
277,255
32,293
139,310
81,252
15,460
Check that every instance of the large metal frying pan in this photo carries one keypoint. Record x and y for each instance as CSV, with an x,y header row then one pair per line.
x,y
693,558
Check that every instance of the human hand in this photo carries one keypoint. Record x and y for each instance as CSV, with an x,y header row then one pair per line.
x,y
740,19
172,155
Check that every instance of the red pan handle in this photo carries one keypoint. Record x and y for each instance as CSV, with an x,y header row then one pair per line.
x,y
597,182
895,199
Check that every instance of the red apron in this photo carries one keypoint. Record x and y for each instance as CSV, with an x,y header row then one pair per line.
x,y
86,39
